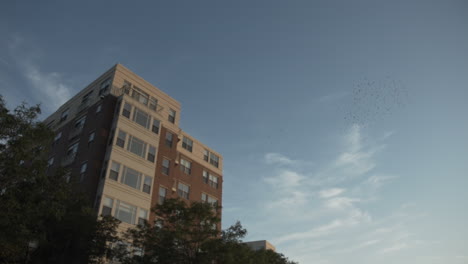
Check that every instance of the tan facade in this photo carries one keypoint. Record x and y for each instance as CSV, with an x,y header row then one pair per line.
x,y
260,245
129,152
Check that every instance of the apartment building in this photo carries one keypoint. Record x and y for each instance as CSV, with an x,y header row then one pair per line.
x,y
121,141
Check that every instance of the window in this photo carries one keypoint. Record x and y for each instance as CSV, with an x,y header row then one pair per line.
x,y
80,122
153,103
85,99
185,166
165,166
114,171
205,154
121,139
131,178
214,160
98,108
187,144
141,118
162,194
147,184
125,212
169,138
155,127
107,205
91,137
183,190
127,109
50,162
209,199
136,146
58,136
210,179
83,169
151,154
64,115
67,176
172,115
205,177
72,150
104,86
142,216
140,96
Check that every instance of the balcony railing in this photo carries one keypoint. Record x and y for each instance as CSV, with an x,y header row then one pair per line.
x,y
116,91
68,159
76,132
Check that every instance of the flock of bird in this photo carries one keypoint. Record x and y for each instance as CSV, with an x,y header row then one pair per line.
x,y
373,101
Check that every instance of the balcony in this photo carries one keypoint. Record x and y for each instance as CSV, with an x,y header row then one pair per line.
x,y
83,106
127,90
69,159
76,132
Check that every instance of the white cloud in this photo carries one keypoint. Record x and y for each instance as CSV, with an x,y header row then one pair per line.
x,y
330,192
339,203
327,204
49,88
286,179
277,158
395,247
48,85
354,218
291,200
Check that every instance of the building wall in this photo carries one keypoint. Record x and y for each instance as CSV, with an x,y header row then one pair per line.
x,y
104,150
260,245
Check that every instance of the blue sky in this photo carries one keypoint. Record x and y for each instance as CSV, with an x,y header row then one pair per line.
x,y
343,124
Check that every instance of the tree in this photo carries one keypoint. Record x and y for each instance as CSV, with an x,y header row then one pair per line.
x,y
189,234
43,220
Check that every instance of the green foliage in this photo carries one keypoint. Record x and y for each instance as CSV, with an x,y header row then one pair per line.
x,y
42,219
188,234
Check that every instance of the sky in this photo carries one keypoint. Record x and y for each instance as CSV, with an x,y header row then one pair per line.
x,y
343,124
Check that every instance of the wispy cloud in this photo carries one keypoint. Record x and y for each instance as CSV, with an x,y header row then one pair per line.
x,y
285,179
279,159
330,201
395,247
327,193
354,218
48,87
340,203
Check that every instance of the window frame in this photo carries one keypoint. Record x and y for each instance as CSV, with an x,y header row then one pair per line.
x,y
119,140
114,172
64,115
132,143
165,170
187,144
127,112
157,127
182,193
105,205
162,198
169,142
172,115
124,179
151,155
137,114
129,206
185,166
